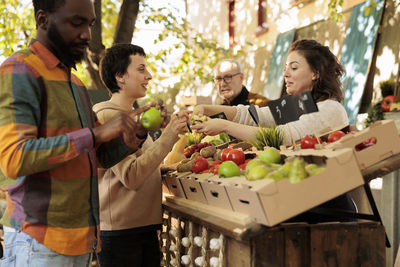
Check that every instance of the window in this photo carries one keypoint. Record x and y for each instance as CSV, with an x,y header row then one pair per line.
x,y
262,18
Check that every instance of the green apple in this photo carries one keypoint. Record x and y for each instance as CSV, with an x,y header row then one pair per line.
x,y
258,173
151,119
270,155
228,169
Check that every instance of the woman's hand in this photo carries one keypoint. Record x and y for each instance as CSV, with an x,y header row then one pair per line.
x,y
198,110
177,122
211,127
158,104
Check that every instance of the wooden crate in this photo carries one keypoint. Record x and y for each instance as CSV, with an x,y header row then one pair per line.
x,y
247,244
331,244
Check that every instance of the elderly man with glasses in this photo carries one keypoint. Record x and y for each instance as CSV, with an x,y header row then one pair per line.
x,y
229,82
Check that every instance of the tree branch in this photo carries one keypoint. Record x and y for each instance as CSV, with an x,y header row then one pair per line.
x,y
126,21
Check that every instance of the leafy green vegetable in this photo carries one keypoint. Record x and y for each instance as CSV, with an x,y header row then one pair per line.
x,y
268,136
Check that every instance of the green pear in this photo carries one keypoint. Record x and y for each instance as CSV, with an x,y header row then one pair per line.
x,y
275,166
253,163
285,169
298,171
270,155
257,173
275,175
311,166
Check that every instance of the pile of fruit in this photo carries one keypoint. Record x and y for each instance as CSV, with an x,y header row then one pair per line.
x,y
268,165
308,141
226,162
190,150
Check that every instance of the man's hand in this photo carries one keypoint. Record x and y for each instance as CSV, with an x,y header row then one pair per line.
x,y
122,124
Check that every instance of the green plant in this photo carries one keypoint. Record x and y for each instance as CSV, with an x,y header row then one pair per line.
x,y
387,87
267,136
375,113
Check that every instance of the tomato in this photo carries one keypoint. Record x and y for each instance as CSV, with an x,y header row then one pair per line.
x,y
214,168
387,102
236,156
200,164
365,144
309,142
336,135
243,166
224,153
217,162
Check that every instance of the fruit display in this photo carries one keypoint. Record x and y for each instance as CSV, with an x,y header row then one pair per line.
x,y
190,150
295,169
308,142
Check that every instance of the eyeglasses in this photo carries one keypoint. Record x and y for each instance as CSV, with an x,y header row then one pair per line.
x,y
226,78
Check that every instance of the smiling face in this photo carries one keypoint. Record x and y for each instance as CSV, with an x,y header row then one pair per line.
x,y
134,82
299,77
229,70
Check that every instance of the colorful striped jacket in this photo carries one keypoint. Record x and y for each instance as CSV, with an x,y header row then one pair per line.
x,y
46,146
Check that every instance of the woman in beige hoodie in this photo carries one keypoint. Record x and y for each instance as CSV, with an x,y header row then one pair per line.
x,y
130,192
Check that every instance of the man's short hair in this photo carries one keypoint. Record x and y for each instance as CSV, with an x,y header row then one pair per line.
x,y
116,61
47,5
238,66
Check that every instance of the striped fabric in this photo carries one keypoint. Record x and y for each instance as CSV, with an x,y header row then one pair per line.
x,y
46,146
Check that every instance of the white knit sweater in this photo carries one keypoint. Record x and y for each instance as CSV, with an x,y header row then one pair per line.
x,y
331,115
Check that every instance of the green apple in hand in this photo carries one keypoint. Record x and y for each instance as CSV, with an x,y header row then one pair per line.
x,y
151,119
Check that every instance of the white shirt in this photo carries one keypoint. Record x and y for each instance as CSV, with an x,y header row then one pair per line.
x,y
331,116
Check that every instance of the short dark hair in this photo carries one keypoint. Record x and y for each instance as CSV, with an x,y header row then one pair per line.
x,y
116,61
47,5
323,61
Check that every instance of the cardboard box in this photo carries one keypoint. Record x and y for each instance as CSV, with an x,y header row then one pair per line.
x,y
173,183
215,192
387,143
192,188
270,203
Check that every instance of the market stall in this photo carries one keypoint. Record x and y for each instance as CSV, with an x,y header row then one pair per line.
x,y
213,221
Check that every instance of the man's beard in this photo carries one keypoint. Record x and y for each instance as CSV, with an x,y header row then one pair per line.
x,y
63,50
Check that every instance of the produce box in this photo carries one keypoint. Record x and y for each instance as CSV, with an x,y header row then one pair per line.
x,y
387,143
191,186
173,183
269,202
215,192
